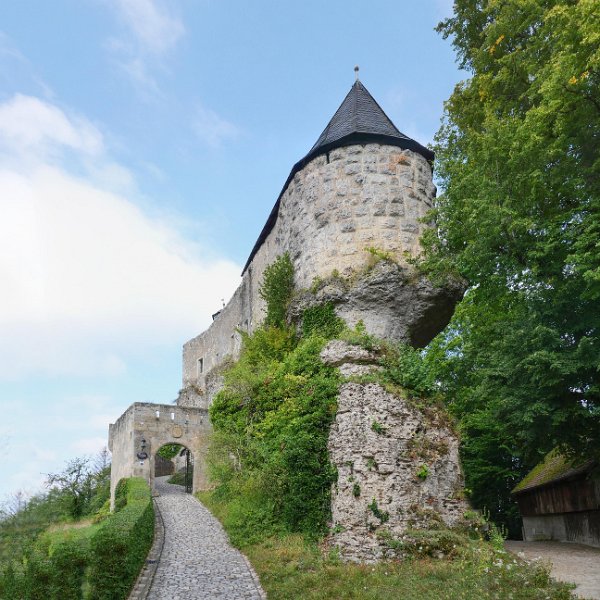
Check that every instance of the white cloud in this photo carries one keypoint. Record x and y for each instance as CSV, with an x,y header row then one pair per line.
x,y
29,125
155,27
213,129
88,279
138,72
90,446
152,30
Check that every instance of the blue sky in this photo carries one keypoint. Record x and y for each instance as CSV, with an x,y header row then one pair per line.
x,y
142,146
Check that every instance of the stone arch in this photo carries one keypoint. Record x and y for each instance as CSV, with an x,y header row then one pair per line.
x,y
182,460
144,428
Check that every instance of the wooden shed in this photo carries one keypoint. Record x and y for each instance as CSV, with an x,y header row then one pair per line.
x,y
560,500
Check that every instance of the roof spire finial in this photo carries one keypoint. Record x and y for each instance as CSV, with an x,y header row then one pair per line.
x,y
356,70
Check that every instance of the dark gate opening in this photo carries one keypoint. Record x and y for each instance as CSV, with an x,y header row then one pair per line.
x,y
177,461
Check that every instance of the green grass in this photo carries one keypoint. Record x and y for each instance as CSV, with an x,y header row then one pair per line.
x,y
290,567
178,478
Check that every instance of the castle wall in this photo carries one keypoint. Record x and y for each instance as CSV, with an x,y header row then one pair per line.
x,y
187,426
339,204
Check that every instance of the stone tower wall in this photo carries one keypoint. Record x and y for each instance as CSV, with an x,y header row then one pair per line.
x,y
333,209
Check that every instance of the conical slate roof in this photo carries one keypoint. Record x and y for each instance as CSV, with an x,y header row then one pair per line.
x,y
358,113
358,120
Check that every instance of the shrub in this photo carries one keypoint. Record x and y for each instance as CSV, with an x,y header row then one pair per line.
x,y
383,516
52,569
276,290
68,562
11,583
121,543
270,448
121,495
406,367
321,320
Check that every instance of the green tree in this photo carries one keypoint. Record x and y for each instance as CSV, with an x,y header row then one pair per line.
x,y
75,483
276,290
519,219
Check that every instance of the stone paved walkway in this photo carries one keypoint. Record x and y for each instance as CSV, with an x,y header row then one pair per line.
x,y
197,560
573,563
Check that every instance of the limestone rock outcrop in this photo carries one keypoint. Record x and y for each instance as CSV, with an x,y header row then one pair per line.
x,y
392,300
398,464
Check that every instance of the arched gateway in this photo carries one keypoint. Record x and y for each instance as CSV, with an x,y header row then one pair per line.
x,y
144,428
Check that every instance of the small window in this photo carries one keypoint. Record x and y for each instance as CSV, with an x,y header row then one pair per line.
x,y
200,366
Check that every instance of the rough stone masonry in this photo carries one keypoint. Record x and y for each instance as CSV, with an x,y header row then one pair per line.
x,y
337,206
361,193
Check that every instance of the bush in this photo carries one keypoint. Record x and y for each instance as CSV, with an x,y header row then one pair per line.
x,y
269,455
96,562
11,583
405,366
52,569
121,543
276,290
322,320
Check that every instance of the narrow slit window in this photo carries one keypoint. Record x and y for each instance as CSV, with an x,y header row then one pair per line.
x,y
200,366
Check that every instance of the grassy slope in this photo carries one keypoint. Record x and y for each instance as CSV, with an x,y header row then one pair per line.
x,y
290,567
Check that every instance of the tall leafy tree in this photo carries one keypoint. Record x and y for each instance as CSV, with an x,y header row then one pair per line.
x,y
519,219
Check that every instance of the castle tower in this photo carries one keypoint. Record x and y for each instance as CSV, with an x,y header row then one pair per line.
x,y
359,194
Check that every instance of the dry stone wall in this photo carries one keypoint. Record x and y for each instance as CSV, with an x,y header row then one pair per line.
x,y
334,208
398,465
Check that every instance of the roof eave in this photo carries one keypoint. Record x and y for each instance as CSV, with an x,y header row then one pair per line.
x,y
572,474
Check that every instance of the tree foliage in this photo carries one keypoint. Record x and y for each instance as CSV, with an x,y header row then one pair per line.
x,y
80,483
269,455
169,451
519,219
276,290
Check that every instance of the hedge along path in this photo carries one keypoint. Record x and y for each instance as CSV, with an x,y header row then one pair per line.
x,y
197,560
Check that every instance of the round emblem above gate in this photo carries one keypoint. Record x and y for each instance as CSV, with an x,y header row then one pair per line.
x,y
177,431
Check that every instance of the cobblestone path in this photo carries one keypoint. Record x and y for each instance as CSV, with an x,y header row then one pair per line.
x,y
573,563
197,560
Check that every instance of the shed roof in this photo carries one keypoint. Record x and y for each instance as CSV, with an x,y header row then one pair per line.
x,y
358,120
554,468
